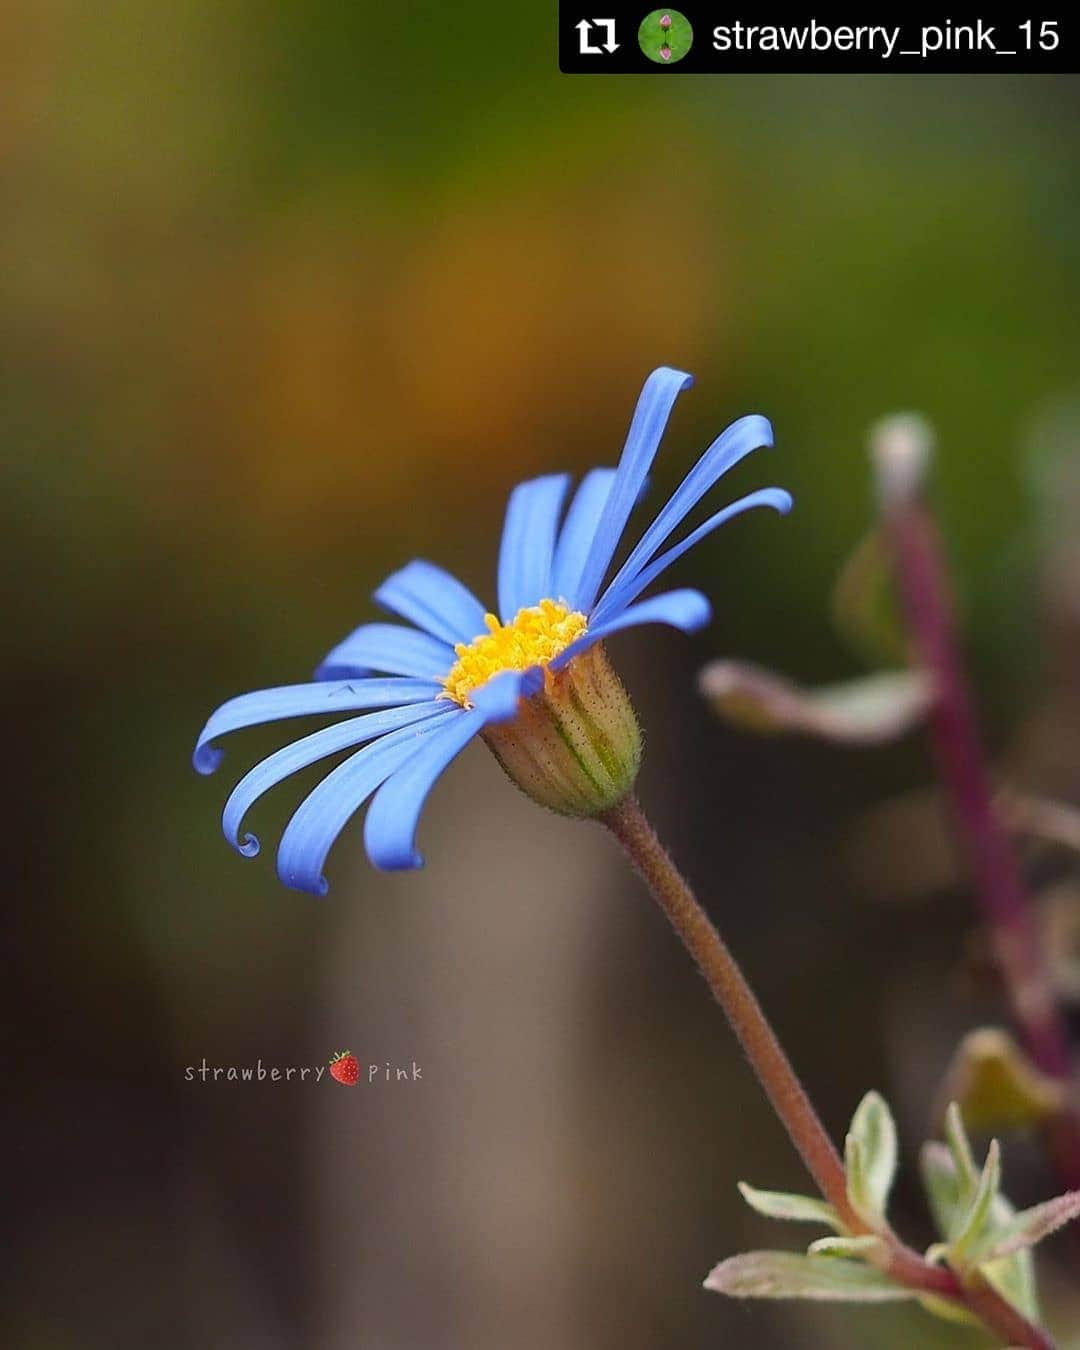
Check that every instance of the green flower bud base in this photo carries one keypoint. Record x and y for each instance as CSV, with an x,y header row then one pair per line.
x,y
574,747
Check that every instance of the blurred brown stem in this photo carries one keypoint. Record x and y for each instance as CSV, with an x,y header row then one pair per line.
x,y
774,1071
923,578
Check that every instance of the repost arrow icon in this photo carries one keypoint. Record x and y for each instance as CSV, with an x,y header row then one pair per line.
x,y
585,27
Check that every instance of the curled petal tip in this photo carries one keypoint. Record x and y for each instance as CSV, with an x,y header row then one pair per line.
x,y
319,888
206,758
249,846
396,862
699,617
684,375
393,860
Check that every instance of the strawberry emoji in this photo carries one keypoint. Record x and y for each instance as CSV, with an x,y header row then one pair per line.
x,y
345,1068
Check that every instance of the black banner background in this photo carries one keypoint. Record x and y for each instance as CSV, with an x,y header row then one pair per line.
x,y
1011,53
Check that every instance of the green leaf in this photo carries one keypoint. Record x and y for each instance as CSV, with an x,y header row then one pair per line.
x,y
975,1226
784,1205
789,1275
1032,1225
864,605
876,709
960,1147
874,1128
854,1248
997,1085
858,1188
955,1190
1013,1276
944,1188
873,710
1014,1279
870,1158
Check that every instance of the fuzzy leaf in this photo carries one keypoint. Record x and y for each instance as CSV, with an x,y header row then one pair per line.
x,y
789,1275
874,1128
976,1222
951,1195
869,711
785,1205
1032,1225
858,1189
864,604
1013,1276
855,1248
869,1162
944,1188
1014,1279
996,1084
960,1147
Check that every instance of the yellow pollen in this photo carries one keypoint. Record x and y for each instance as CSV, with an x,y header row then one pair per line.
x,y
535,636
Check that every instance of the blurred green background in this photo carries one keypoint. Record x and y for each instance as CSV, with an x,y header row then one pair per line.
x,y
289,296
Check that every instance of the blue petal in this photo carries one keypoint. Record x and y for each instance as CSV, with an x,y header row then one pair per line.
x,y
433,600
618,597
743,436
291,758
528,542
390,648
576,535
498,699
322,815
685,609
579,527
304,700
392,818
642,442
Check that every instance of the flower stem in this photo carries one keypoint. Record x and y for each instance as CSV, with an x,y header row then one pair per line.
x,y
773,1068
923,578
789,1100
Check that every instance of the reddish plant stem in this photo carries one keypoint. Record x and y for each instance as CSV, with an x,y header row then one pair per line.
x,y
628,823
923,577
781,1084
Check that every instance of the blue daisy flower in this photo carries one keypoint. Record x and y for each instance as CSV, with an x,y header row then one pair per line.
x,y
534,681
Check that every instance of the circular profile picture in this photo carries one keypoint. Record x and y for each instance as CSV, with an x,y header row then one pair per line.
x,y
665,36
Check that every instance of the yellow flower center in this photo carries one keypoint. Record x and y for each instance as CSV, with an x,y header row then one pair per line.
x,y
535,636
